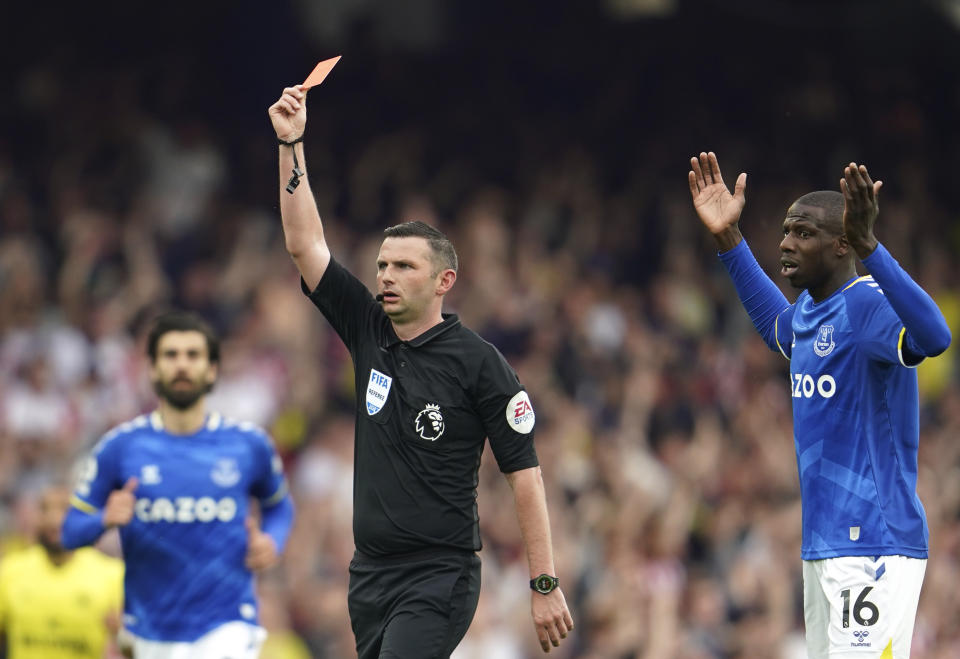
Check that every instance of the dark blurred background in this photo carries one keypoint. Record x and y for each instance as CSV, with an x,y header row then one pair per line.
x,y
551,141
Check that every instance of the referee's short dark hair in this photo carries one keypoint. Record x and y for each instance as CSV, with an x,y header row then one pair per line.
x,y
445,256
182,321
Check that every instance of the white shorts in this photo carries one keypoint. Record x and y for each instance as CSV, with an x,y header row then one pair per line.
x,y
856,607
232,640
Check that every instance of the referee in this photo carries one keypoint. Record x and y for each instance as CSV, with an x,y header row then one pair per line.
x,y
429,391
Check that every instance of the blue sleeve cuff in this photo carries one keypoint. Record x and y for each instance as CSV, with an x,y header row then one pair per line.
x,y
80,528
278,520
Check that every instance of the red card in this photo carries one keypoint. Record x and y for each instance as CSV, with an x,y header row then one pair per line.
x,y
320,71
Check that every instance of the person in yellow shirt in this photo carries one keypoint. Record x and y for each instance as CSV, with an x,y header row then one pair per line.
x,y
55,603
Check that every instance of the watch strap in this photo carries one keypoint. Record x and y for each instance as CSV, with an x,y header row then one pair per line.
x,y
544,583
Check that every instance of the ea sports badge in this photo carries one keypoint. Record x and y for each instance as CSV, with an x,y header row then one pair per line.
x,y
520,414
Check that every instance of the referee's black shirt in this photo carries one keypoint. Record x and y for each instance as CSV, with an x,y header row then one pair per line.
x,y
424,408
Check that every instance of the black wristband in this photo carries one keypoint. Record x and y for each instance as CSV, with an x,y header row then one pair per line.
x,y
297,172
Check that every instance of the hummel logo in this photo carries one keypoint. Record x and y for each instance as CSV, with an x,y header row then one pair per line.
x,y
861,636
150,474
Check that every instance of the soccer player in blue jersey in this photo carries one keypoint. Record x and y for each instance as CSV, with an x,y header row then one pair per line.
x,y
853,343
178,483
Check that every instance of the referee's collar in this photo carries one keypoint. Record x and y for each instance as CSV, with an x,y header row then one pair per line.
x,y
450,321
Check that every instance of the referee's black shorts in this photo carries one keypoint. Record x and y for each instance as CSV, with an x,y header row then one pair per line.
x,y
416,606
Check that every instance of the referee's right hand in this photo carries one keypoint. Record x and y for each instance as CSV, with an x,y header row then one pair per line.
x,y
289,114
119,508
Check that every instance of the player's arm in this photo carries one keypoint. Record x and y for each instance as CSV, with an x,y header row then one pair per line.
x,y
719,211
267,539
927,333
302,228
98,502
551,617
85,523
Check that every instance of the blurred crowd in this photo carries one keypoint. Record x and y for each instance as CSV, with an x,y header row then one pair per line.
x,y
663,422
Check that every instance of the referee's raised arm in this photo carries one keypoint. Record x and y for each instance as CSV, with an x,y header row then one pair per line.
x,y
302,228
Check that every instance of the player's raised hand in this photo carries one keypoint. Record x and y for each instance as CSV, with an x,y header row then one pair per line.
x,y
289,113
118,510
551,618
718,209
261,549
860,208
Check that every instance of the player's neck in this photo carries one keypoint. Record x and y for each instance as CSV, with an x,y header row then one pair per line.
x,y
58,557
836,281
183,421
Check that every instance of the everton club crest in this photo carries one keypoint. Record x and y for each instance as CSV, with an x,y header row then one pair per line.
x,y
824,344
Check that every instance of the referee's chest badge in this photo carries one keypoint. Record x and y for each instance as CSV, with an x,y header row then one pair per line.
x,y
378,388
429,423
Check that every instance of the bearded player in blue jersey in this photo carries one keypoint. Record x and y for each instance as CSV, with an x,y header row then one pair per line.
x,y
178,484
853,343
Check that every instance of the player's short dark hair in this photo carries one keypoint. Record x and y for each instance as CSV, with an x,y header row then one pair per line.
x,y
182,321
445,256
831,202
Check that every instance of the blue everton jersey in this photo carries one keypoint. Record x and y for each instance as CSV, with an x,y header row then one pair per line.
x,y
856,424
184,549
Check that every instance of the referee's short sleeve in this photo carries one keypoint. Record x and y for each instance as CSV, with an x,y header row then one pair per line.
x,y
344,301
507,413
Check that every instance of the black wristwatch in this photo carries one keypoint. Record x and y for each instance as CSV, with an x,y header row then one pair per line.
x,y
544,584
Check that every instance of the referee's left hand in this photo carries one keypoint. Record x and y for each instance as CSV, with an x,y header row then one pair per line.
x,y
551,618
261,549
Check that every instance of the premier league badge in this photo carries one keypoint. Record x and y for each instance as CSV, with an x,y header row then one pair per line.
x,y
429,423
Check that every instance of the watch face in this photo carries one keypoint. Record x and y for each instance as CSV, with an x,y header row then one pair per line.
x,y
544,584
